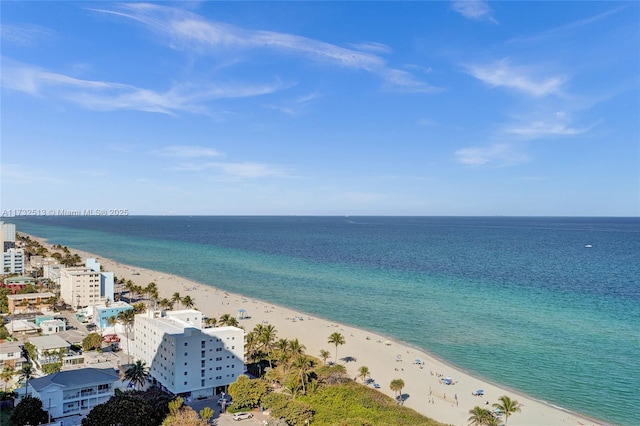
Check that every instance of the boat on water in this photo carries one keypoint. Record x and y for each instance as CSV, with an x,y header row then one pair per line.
x,y
588,246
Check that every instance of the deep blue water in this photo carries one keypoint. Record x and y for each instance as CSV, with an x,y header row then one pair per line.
x,y
519,301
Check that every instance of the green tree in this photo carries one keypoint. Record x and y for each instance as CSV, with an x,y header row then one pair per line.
x,y
336,339
127,319
397,385
247,393
92,341
147,408
508,406
266,337
52,367
31,350
363,372
324,355
479,416
176,298
206,413
188,302
6,375
29,411
185,416
302,365
26,373
137,374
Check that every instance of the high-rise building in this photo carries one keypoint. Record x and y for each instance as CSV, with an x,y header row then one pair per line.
x,y
13,261
80,287
7,236
185,359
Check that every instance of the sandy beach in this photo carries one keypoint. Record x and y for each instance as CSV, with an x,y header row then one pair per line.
x,y
386,359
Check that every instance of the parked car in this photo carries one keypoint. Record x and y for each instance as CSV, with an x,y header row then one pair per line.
x,y
242,416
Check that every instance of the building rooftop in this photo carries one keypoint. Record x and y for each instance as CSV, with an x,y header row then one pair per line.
x,y
30,296
75,378
49,342
9,347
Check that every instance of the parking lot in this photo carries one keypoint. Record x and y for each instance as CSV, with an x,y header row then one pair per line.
x,y
226,419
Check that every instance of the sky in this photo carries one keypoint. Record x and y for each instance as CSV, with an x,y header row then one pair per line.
x,y
465,108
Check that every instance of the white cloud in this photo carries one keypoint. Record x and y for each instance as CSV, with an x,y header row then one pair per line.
x,y
242,170
557,124
109,96
474,9
519,78
24,36
499,154
371,46
187,151
189,31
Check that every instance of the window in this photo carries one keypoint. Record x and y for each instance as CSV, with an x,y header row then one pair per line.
x,y
202,363
185,343
202,382
185,373
203,343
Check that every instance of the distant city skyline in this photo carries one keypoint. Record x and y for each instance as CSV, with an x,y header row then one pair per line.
x,y
465,108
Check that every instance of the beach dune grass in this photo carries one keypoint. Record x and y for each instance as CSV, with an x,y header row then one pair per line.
x,y
351,402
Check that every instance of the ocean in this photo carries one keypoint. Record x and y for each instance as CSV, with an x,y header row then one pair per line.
x,y
520,301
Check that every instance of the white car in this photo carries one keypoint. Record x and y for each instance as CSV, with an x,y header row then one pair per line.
x,y
241,416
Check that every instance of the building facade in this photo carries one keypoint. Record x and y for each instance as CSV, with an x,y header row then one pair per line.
x,y
184,358
11,355
13,261
102,313
80,287
7,236
107,279
30,302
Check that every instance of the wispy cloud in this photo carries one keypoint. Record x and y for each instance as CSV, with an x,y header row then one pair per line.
x,y
558,124
25,35
478,10
187,151
186,30
519,78
242,170
571,25
372,47
109,96
499,154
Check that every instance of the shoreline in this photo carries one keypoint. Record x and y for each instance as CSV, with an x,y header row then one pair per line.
x,y
386,357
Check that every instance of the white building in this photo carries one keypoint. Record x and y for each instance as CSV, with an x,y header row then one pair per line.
x,y
74,392
80,286
7,236
185,359
11,355
107,279
13,261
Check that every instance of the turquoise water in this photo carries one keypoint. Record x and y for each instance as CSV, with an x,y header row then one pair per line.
x,y
519,301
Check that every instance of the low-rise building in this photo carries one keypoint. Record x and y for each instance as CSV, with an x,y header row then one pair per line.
x,y
30,302
102,313
185,359
80,287
53,348
74,392
11,355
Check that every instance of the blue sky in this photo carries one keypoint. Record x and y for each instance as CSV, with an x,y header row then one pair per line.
x,y
322,108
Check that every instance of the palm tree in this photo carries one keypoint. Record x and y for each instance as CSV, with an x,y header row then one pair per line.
x,y
165,303
266,337
324,355
26,373
176,298
188,302
397,385
137,374
251,345
363,372
111,322
479,416
302,364
296,348
336,339
508,406
127,318
228,319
